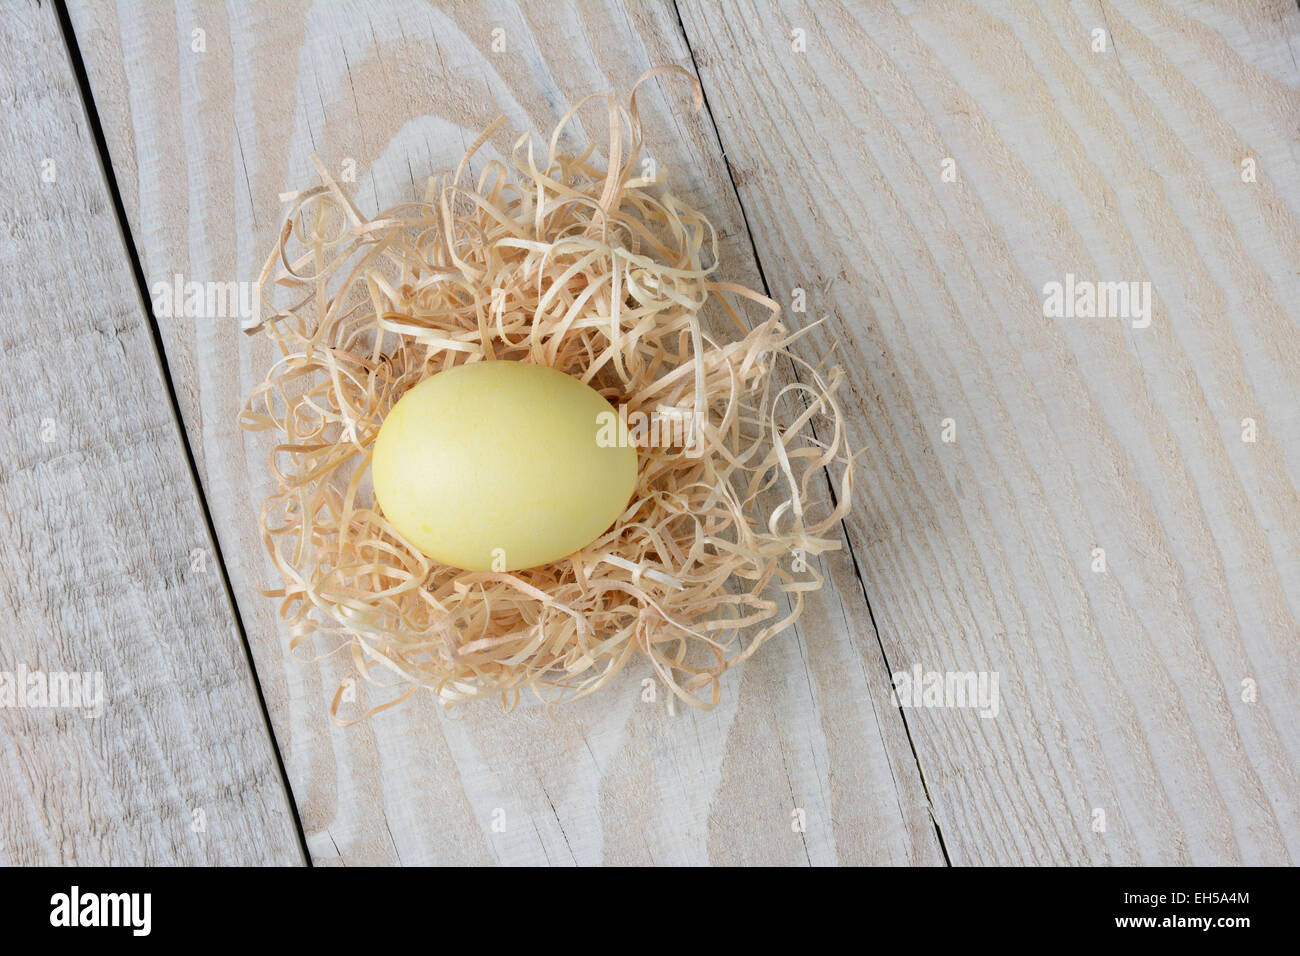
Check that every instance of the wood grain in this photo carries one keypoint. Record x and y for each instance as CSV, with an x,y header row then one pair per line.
x,y
1124,691
106,566
202,143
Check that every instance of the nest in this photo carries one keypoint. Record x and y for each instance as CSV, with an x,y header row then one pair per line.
x,y
604,274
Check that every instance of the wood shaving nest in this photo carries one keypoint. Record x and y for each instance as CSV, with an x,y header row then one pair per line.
x,y
601,273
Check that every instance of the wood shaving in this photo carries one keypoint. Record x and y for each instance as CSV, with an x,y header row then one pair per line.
x,y
606,275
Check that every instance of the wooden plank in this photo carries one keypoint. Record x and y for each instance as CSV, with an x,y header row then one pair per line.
x,y
1122,691
106,567
202,143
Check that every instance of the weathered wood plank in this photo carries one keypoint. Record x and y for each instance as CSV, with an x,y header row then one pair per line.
x,y
106,567
1122,691
203,142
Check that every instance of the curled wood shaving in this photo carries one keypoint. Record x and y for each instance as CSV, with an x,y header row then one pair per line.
x,y
605,275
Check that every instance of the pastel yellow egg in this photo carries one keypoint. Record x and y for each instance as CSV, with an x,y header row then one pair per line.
x,y
497,466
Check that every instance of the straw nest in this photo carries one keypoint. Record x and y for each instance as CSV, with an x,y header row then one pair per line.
x,y
595,269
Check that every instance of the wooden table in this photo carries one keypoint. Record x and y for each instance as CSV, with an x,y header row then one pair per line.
x,y
1100,511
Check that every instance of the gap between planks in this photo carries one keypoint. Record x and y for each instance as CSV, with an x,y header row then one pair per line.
x,y
105,162
830,482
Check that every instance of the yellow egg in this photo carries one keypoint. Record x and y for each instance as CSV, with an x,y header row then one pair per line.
x,y
502,465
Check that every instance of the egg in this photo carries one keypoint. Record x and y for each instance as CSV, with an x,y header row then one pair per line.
x,y
498,466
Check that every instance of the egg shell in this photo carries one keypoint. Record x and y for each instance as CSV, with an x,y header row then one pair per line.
x,y
501,465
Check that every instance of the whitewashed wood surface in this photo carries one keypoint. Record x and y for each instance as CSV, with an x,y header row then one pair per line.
x,y
106,566
1126,733
202,144
1123,690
